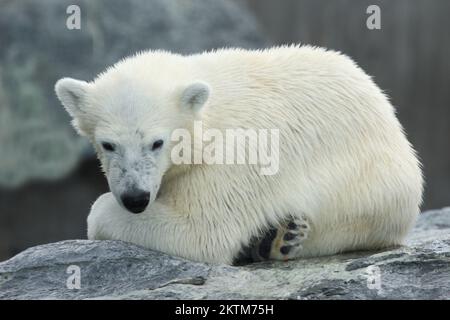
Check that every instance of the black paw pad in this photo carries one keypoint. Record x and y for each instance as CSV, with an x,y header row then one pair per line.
x,y
289,236
285,249
266,243
292,226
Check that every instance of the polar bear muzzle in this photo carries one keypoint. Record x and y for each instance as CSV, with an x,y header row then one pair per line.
x,y
135,201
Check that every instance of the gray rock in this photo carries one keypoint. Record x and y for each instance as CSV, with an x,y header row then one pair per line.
x,y
116,270
37,49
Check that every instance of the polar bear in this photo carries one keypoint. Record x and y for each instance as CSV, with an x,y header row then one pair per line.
x,y
348,178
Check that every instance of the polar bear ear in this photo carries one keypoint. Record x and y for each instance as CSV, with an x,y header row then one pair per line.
x,y
195,96
72,93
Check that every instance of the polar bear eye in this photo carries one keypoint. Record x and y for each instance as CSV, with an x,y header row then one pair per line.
x,y
157,145
108,146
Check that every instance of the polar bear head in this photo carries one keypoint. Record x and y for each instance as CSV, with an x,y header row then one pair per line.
x,y
129,120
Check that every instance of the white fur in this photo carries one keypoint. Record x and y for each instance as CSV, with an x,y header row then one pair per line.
x,y
345,162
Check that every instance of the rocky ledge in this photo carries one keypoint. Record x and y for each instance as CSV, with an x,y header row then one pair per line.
x,y
81,269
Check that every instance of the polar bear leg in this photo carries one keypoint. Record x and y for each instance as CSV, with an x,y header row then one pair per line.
x,y
163,229
283,242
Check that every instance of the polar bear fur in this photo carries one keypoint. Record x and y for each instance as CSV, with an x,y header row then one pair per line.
x,y
345,163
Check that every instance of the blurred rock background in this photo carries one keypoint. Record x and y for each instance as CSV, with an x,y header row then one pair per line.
x,y
49,177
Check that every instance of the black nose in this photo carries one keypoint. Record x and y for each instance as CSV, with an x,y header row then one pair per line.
x,y
136,201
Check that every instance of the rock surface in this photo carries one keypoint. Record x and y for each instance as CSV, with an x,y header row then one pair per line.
x,y
116,270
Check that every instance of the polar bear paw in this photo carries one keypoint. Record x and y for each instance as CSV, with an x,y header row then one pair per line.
x,y
289,239
283,242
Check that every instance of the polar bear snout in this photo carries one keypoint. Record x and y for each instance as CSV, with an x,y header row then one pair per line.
x,y
135,201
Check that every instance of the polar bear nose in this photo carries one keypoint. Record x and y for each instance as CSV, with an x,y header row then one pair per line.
x,y
136,201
